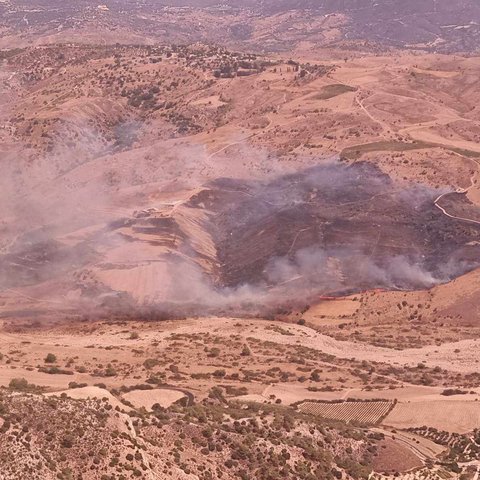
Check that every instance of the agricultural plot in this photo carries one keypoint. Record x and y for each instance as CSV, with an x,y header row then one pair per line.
x,y
363,412
422,474
455,416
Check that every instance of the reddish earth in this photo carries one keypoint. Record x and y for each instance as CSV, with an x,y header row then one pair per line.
x,y
393,457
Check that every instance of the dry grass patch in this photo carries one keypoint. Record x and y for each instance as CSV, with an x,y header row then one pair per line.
x,y
454,416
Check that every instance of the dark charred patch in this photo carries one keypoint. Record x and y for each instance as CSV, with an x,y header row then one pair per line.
x,y
352,213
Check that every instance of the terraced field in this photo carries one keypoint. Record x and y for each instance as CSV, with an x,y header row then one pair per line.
x,y
363,412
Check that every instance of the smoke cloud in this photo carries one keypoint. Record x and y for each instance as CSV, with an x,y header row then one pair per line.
x,y
105,224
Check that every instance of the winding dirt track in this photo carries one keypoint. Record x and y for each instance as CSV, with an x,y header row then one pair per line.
x,y
466,190
450,215
418,127
384,126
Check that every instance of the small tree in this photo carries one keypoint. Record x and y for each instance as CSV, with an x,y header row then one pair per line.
x,y
50,358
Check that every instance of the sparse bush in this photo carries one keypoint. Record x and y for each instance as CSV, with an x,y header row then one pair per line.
x,y
214,352
150,363
22,385
246,351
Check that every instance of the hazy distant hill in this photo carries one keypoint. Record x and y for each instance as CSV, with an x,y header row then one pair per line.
x,y
451,24
268,25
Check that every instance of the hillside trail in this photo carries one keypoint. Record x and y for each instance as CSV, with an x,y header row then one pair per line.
x,y
35,299
460,190
447,144
245,138
421,135
385,127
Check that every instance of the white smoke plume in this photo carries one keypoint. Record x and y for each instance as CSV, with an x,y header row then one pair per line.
x,y
62,214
